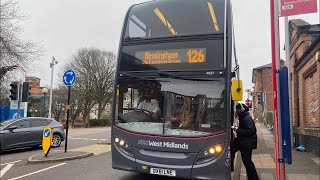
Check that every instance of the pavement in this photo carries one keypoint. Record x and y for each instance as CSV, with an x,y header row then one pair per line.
x,y
305,165
76,153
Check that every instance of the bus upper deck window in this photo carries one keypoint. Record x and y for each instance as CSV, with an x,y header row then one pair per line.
x,y
136,27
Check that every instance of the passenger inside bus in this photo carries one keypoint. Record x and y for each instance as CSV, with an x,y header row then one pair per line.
x,y
194,113
189,114
186,113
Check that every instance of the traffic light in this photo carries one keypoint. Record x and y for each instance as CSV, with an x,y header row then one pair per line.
x,y
26,92
247,102
259,98
15,86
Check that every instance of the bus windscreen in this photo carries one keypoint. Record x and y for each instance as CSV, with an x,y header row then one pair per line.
x,y
171,107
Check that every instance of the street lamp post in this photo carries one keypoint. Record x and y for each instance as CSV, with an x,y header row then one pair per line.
x,y
44,91
35,112
54,62
31,112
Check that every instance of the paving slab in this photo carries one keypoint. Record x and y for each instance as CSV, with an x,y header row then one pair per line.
x,y
303,177
96,149
305,165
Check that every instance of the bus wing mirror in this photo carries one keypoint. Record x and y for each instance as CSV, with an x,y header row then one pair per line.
x,y
236,90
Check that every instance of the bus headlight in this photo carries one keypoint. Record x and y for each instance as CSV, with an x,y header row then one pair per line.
x,y
116,140
209,153
121,143
123,146
218,148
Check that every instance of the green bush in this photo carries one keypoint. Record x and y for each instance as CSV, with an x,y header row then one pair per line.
x,y
99,122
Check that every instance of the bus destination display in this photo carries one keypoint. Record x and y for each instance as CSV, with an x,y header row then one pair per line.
x,y
172,56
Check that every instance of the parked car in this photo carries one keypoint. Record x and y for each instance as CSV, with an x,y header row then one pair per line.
x,y
27,132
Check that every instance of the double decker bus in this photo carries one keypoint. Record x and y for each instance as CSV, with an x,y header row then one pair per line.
x,y
172,95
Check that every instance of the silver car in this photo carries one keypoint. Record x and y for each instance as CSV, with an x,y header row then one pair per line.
x,y
27,132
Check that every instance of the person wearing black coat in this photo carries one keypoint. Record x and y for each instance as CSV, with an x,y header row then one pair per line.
x,y
246,140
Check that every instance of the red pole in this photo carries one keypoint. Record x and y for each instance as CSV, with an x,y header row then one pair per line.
x,y
275,90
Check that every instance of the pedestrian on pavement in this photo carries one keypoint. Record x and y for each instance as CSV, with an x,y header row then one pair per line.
x,y
246,140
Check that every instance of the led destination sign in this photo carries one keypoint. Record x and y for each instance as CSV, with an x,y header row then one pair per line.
x,y
172,56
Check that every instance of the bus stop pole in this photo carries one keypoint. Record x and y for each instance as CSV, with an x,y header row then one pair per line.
x,y
274,15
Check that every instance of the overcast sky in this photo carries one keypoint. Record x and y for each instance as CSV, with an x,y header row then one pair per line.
x,y
63,26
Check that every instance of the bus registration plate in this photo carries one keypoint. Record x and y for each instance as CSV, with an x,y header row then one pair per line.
x,y
164,172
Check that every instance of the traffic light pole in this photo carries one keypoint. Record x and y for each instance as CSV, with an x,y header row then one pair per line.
x,y
19,98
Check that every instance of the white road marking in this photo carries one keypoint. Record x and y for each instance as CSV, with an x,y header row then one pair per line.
x,y
10,162
316,160
38,171
74,138
88,139
5,169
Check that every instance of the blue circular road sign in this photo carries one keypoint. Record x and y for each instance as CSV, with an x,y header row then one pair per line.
x,y
69,77
46,133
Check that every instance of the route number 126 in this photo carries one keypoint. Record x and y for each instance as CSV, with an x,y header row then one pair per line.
x,y
195,56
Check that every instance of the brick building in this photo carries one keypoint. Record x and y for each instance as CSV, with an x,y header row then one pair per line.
x,y
262,79
305,83
35,84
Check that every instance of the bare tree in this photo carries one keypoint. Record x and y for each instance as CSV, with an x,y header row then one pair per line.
x,y
59,100
95,74
104,79
15,52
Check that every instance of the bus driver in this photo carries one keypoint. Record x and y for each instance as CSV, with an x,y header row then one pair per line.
x,y
150,105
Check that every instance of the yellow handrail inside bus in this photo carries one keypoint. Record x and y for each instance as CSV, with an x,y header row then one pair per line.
x,y
164,21
213,16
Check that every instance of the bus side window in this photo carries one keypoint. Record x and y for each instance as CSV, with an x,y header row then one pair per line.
x,y
131,99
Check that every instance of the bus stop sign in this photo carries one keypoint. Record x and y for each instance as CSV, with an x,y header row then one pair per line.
x,y
290,7
46,139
